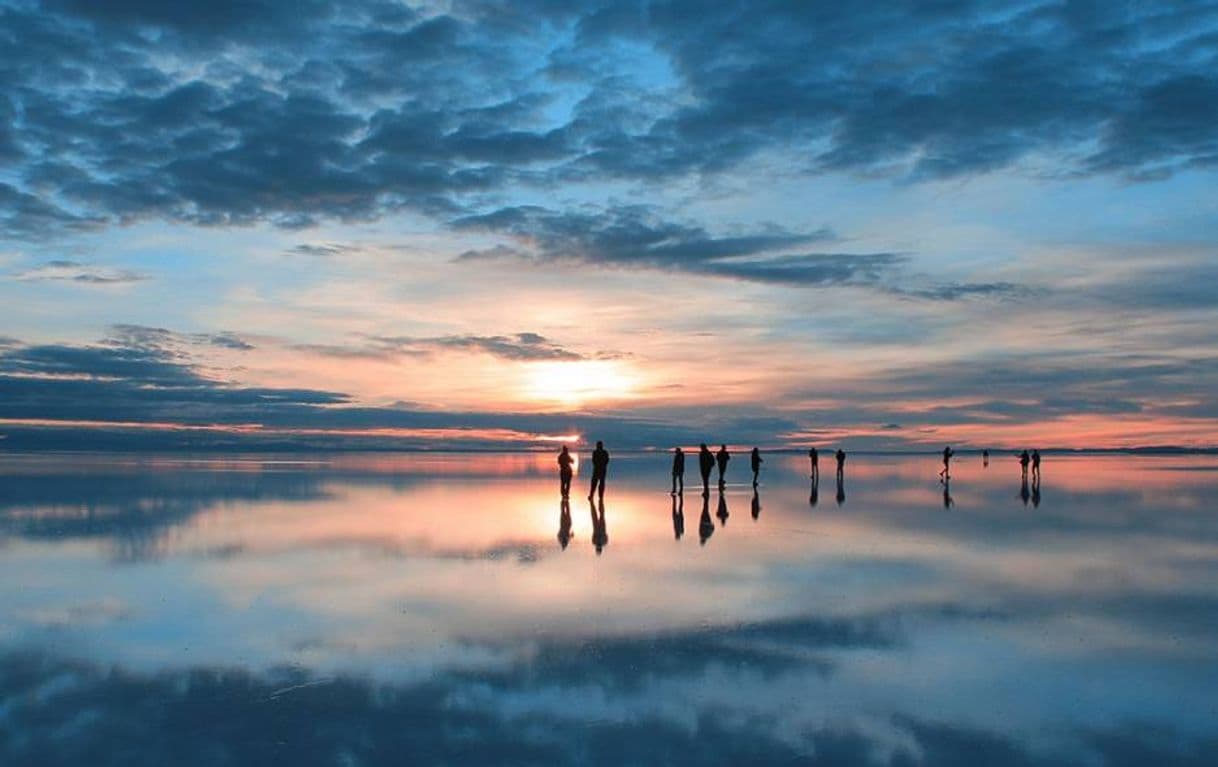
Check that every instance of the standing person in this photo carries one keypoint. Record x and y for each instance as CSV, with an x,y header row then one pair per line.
x,y
815,459
1036,465
1023,463
706,462
600,467
841,463
755,462
564,472
947,461
721,458
678,470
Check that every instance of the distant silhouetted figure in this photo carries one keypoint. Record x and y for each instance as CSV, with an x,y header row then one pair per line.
x,y
678,516
814,493
814,458
755,463
946,474
706,462
1036,465
706,528
985,458
1036,490
678,471
1024,458
841,489
600,535
600,467
564,522
721,458
1023,488
564,472
722,512
841,464
756,503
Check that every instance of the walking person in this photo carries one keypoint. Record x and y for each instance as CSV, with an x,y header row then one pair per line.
x,y
600,467
1036,465
946,474
721,458
841,464
706,462
565,472
755,462
815,459
678,471
1023,463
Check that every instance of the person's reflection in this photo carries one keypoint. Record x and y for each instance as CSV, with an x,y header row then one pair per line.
x,y
841,489
947,493
600,535
678,516
756,504
722,512
564,522
706,528
1036,490
814,493
1023,489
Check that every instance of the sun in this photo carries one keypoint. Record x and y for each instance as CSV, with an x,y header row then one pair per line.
x,y
575,383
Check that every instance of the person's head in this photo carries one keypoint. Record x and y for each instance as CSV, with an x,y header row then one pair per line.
x,y
723,447
678,449
599,445
564,448
704,447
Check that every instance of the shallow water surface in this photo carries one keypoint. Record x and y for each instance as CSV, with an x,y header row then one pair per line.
x,y
447,608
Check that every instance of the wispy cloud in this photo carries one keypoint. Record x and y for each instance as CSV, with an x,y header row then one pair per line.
x,y
75,271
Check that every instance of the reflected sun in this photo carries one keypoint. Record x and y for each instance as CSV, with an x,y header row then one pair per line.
x,y
575,383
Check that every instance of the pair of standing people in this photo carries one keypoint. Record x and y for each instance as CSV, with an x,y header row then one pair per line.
x,y
600,469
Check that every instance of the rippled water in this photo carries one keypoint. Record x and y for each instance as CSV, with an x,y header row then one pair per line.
x,y
419,609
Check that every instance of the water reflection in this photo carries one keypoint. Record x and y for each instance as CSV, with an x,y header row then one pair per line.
x,y
262,596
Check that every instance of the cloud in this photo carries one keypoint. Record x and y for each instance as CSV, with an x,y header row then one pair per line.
x,y
522,347
74,271
243,112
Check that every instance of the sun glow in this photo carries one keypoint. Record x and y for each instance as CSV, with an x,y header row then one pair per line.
x,y
574,383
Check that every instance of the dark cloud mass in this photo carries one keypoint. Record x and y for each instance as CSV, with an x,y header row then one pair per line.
x,y
289,112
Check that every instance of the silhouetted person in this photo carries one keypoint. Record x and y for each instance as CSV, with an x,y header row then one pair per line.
x,y
946,474
947,494
841,464
564,472
755,464
756,503
985,458
721,458
1035,464
841,489
814,458
814,493
706,528
678,516
678,471
706,462
1023,488
1036,490
600,535
600,467
722,513
564,522
1024,458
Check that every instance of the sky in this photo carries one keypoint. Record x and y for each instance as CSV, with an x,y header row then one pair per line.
x,y
307,224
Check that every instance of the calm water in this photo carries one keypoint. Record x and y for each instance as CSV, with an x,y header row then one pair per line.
x,y
423,609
